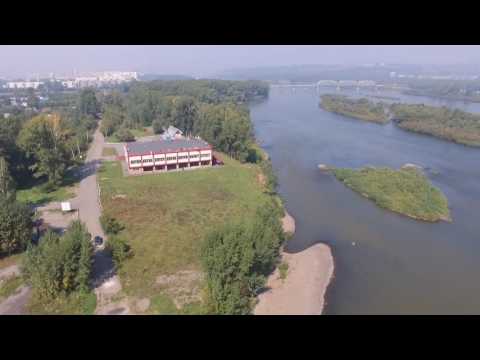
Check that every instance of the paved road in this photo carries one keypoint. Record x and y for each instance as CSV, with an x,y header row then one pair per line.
x,y
87,202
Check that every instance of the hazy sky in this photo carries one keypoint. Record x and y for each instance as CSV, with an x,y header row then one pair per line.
x,y
200,60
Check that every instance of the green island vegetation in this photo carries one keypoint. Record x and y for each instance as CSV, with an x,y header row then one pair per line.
x,y
406,191
362,109
452,125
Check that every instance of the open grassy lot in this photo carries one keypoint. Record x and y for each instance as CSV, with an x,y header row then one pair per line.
x,y
77,303
35,193
109,151
405,191
167,216
138,133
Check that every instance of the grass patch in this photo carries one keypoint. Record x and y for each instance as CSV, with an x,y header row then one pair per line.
x,y
283,270
162,305
138,133
405,191
9,286
167,216
36,194
6,261
77,303
109,151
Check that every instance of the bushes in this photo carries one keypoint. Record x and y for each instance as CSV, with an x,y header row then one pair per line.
x,y
119,249
15,225
125,135
110,225
238,257
60,265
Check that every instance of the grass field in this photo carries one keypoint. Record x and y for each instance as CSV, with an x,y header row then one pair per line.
x,y
36,195
405,191
138,133
167,216
109,151
74,304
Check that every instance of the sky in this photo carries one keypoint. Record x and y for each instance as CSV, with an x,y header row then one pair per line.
x,y
205,60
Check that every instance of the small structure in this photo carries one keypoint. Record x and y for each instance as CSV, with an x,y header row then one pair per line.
x,y
172,133
66,206
166,155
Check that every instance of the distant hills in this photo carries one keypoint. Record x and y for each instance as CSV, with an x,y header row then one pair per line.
x,y
311,73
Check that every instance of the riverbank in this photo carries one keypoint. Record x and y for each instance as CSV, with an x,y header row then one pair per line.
x,y
302,291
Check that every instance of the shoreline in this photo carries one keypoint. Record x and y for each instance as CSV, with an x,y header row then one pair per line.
x,y
303,290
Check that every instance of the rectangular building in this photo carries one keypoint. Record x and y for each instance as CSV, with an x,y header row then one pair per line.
x,y
166,155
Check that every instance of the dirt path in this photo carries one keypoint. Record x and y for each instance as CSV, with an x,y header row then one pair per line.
x,y
88,204
302,291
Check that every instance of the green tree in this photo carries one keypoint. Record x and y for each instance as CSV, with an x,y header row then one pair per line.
x,y
238,257
7,187
87,103
60,265
15,225
44,138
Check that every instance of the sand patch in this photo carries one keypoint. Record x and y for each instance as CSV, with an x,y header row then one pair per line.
x,y
303,290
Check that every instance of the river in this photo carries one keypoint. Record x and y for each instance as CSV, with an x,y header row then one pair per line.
x,y
385,263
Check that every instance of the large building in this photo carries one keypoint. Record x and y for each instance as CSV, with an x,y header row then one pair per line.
x,y
167,155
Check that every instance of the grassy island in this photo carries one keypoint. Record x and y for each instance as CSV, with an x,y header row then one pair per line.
x,y
406,191
453,125
362,109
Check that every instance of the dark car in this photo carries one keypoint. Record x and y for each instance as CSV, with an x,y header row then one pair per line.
x,y
98,240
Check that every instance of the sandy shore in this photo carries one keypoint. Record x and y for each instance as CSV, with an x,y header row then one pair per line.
x,y
303,290
288,223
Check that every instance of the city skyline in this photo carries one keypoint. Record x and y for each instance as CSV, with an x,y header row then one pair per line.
x,y
30,61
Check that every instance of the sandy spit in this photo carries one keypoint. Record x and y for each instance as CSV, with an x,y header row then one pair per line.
x,y
302,292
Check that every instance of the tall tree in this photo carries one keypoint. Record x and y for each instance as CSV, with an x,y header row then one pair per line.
x,y
7,187
88,104
15,225
44,138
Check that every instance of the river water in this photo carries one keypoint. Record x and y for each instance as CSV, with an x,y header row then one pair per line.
x,y
385,263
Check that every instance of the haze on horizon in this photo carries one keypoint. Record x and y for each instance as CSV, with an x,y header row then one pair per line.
x,y
207,60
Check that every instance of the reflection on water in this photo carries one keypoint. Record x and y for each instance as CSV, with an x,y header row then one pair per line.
x,y
398,265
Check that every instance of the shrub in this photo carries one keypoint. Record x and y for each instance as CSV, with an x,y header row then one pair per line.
x,y
15,225
237,258
60,265
119,249
125,135
283,270
110,225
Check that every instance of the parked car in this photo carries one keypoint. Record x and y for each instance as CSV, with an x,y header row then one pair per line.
x,y
98,240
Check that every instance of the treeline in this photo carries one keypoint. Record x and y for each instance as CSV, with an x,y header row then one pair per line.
x,y
361,109
453,125
211,109
464,90
45,145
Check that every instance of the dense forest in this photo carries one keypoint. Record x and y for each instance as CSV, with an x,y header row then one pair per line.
x,y
453,125
212,109
361,109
